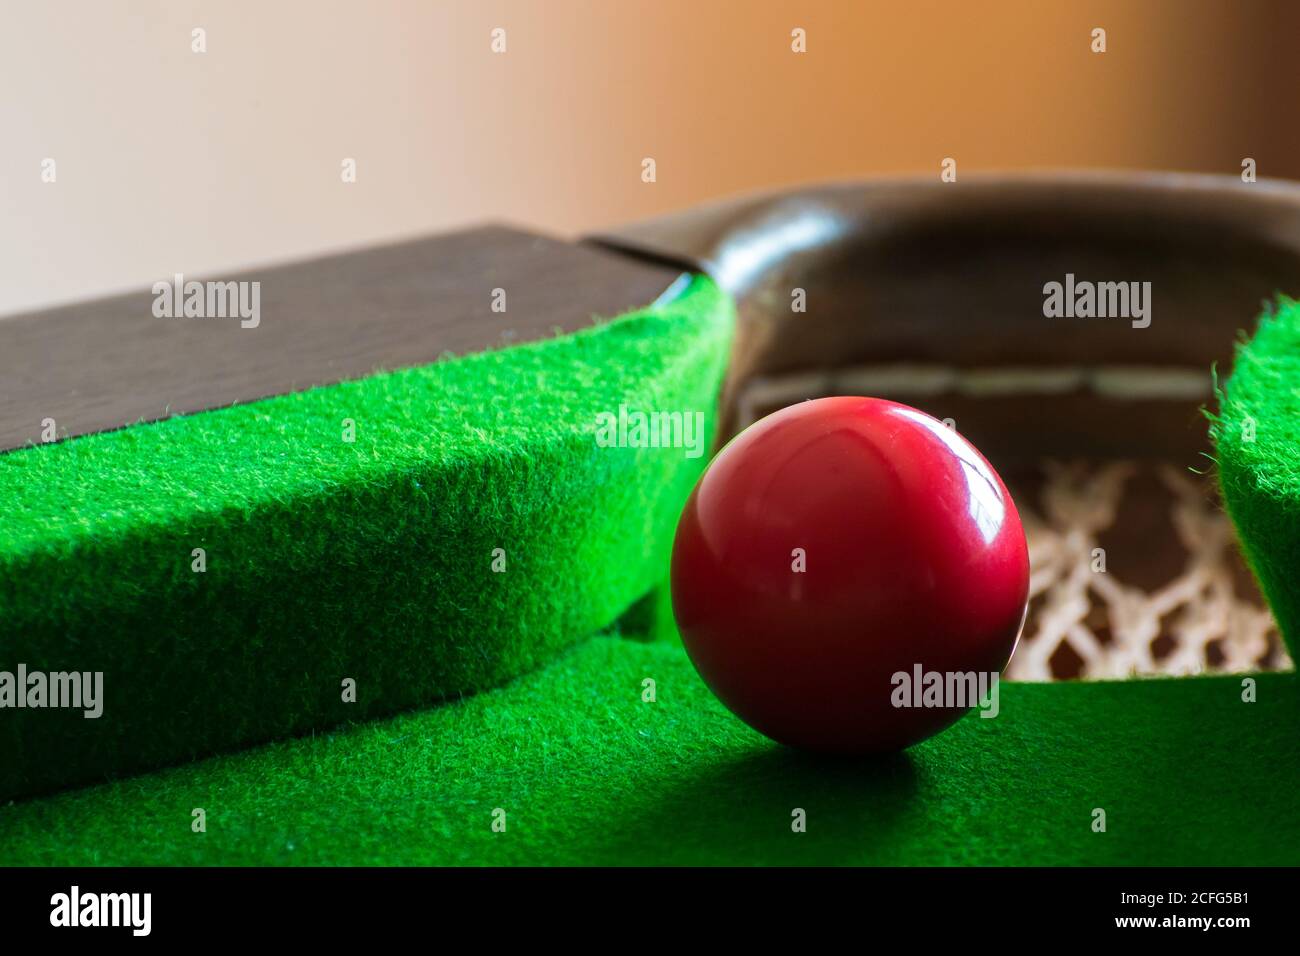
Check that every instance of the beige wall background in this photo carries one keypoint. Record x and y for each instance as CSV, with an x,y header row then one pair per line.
x,y
174,161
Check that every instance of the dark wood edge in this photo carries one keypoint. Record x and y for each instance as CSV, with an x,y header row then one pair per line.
x,y
100,365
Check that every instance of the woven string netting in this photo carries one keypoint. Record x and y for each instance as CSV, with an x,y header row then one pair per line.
x,y
1118,628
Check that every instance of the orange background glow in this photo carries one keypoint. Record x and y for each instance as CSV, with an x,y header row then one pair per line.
x,y
171,161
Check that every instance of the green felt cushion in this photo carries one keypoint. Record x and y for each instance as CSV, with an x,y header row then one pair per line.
x,y
1257,440
588,772
327,559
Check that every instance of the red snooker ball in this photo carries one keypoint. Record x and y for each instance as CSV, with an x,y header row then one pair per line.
x,y
835,545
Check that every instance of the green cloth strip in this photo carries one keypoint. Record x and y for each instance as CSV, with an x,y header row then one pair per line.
x,y
328,560
1257,440
587,771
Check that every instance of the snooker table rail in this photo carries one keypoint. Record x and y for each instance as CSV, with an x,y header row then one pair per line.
x,y
895,274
